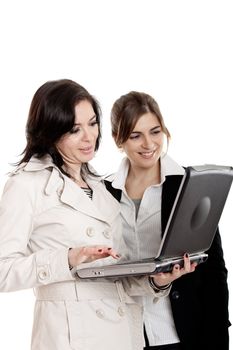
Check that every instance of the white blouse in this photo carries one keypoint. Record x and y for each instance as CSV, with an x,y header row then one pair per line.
x,y
142,234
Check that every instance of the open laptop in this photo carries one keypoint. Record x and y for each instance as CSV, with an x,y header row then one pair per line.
x,y
190,229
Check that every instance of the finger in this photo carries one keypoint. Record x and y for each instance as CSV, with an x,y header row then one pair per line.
x,y
187,263
113,253
95,250
109,251
176,270
193,267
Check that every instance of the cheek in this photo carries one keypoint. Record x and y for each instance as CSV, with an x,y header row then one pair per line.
x,y
130,146
69,146
160,140
130,151
96,132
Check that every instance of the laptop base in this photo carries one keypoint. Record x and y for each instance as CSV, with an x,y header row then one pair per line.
x,y
143,267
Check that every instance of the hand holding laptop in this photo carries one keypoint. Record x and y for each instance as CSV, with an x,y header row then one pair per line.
x,y
161,279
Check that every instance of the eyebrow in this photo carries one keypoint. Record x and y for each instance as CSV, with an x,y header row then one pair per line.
x,y
152,129
90,120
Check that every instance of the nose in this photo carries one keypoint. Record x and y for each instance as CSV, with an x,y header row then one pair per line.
x,y
147,142
86,136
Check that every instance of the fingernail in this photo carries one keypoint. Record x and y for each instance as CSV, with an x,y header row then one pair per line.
x,y
100,250
118,256
186,255
177,267
109,248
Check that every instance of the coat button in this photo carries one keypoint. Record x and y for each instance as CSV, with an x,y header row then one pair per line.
x,y
175,295
43,274
100,313
121,311
107,233
90,231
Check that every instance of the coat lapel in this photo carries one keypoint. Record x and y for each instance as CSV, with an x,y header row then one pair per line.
x,y
76,198
102,207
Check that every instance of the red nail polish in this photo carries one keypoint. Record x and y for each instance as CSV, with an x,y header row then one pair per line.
x,y
100,250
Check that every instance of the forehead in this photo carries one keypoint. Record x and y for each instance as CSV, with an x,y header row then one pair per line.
x,y
83,112
147,121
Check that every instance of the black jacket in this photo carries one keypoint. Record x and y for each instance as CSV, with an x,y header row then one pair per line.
x,y
199,300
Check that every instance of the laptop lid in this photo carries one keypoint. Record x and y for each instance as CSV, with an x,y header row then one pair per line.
x,y
191,226
197,210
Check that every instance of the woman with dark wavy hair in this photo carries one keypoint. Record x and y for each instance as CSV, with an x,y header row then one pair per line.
x,y
55,216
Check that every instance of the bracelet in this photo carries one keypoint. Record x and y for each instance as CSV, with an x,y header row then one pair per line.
x,y
70,267
156,287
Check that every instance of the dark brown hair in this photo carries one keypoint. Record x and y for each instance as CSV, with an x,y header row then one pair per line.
x,y
128,109
51,115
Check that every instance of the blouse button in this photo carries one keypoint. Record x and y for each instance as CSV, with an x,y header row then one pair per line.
x,y
90,231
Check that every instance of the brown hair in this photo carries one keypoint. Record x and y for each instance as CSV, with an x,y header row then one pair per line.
x,y
128,109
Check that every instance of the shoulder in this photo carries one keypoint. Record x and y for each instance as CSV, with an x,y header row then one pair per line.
x,y
25,177
32,176
24,185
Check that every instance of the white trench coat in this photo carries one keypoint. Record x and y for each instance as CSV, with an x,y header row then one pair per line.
x,y
42,214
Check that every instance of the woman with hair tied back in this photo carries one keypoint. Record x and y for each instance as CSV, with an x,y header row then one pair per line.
x,y
56,215
194,316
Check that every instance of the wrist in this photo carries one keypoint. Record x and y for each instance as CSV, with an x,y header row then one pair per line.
x,y
156,287
70,254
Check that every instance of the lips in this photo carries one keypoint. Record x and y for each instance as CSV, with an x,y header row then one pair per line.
x,y
86,150
147,154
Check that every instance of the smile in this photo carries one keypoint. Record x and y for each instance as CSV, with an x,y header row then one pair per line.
x,y
147,154
86,149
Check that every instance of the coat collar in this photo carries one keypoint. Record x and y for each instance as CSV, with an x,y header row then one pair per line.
x,y
102,206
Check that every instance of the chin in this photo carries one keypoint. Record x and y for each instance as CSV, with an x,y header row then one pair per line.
x,y
87,158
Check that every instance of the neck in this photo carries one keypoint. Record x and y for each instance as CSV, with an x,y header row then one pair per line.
x,y
139,179
74,170
146,175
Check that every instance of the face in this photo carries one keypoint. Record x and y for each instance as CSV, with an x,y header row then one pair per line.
x,y
145,144
78,145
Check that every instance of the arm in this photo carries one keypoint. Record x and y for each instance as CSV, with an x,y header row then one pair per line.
x,y
20,268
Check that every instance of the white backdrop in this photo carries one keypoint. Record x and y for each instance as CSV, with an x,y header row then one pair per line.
x,y
178,51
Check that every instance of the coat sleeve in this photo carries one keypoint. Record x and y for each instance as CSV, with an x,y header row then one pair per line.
x,y
20,267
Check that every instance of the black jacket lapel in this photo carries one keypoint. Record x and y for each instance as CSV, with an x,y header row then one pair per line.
x,y
169,192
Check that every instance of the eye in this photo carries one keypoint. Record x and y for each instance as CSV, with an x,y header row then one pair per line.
x,y
134,136
155,131
94,123
74,130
